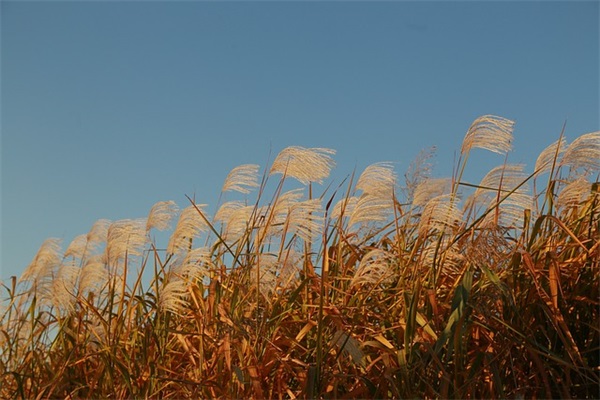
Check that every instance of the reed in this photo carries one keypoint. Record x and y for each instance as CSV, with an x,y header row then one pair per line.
x,y
374,288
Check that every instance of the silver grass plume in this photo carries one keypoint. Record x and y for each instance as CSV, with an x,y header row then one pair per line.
x,y
418,171
64,287
235,217
276,273
77,248
272,218
491,133
189,226
161,214
344,207
46,260
242,179
126,237
304,219
441,254
369,208
583,152
504,178
197,264
98,234
266,267
574,193
430,188
440,213
305,165
288,268
549,154
376,267
94,275
378,180
173,296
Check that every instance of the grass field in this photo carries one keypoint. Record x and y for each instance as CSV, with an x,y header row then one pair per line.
x,y
375,288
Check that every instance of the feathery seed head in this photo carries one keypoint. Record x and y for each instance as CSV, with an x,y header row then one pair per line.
x,y
45,261
439,213
77,247
371,208
190,225
378,180
64,286
584,152
344,207
305,165
161,214
98,232
126,237
235,217
242,179
430,188
93,275
304,218
376,267
173,295
549,154
491,133
273,218
574,193
197,264
276,273
504,179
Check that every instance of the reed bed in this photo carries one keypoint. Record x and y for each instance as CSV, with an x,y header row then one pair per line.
x,y
374,287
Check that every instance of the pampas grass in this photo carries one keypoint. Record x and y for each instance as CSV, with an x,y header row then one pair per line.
x,y
429,288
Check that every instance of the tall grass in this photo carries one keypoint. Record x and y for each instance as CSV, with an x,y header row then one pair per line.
x,y
374,288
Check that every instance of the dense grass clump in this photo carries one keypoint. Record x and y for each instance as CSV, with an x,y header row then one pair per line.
x,y
374,288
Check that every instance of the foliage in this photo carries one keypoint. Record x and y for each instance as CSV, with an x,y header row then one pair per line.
x,y
434,288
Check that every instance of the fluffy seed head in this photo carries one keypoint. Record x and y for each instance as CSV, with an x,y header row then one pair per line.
x,y
93,275
344,207
173,296
64,287
491,133
45,261
574,193
371,208
190,225
235,217
126,237
430,188
504,178
77,247
378,180
272,218
376,267
549,155
305,165
197,264
161,214
242,179
440,212
304,219
584,152
98,234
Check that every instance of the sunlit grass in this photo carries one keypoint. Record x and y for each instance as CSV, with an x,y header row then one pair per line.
x,y
372,288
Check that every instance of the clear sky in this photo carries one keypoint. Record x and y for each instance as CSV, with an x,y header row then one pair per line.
x,y
109,107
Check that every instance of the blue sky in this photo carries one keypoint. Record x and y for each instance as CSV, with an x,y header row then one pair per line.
x,y
109,107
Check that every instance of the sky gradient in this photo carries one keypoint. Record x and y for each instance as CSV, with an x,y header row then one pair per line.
x,y
107,108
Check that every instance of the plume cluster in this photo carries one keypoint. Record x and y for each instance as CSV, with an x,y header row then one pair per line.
x,y
422,287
